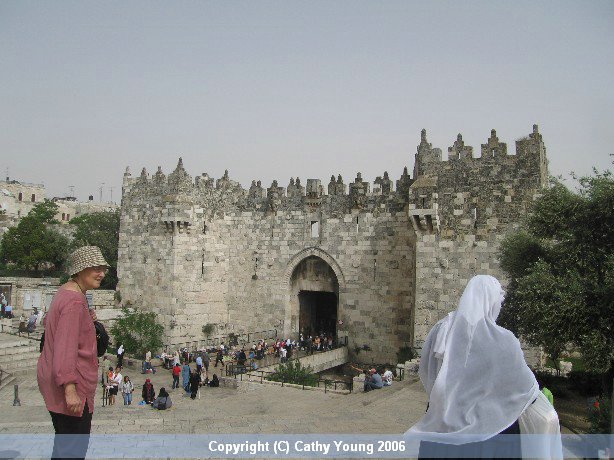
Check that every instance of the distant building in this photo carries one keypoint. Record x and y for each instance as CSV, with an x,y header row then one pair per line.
x,y
18,198
69,207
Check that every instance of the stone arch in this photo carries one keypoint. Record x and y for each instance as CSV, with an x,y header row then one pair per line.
x,y
291,316
313,251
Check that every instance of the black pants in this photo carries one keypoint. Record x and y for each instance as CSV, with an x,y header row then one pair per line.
x,y
72,434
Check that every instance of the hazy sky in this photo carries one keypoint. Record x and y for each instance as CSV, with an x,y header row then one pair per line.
x,y
274,89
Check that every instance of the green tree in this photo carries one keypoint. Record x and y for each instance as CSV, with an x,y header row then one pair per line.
x,y
99,229
32,245
138,331
561,266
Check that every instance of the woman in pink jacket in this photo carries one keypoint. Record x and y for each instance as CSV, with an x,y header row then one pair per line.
x,y
67,369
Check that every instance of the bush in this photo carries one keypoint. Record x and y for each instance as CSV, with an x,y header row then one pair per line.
x,y
138,331
600,417
294,372
585,383
233,339
406,353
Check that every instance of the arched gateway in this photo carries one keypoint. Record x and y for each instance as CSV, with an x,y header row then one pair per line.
x,y
315,284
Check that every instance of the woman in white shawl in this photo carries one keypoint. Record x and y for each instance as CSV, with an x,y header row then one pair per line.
x,y
476,378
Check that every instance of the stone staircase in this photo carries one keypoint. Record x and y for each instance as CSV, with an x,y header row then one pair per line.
x,y
18,354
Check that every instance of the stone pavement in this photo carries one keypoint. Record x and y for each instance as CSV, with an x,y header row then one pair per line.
x,y
251,408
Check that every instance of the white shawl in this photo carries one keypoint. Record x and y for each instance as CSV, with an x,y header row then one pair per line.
x,y
473,370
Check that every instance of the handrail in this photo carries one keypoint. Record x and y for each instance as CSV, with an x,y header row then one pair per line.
x,y
326,382
194,345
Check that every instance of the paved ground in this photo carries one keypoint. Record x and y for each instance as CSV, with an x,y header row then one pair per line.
x,y
251,408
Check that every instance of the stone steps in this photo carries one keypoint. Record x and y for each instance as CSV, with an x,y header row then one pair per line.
x,y
18,354
384,399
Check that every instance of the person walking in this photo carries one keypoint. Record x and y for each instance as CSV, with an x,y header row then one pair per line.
x,y
194,384
176,374
185,375
219,357
120,355
67,369
199,363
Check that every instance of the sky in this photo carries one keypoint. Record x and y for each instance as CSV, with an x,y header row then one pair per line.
x,y
279,89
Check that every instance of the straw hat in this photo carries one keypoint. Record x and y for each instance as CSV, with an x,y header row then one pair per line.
x,y
85,257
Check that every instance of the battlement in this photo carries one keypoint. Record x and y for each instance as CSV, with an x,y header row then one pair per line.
x,y
461,171
428,160
179,187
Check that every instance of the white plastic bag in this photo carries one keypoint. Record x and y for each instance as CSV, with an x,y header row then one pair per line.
x,y
540,418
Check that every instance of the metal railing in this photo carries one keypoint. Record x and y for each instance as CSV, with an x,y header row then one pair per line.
x,y
242,338
105,395
238,371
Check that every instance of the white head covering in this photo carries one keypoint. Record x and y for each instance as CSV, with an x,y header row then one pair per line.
x,y
473,370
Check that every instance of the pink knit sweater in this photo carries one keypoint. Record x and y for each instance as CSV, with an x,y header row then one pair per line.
x,y
69,353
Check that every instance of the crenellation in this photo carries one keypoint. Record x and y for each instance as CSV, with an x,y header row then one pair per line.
x,y
493,149
382,186
204,182
295,190
460,151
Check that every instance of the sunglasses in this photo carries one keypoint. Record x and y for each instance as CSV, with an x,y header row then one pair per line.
x,y
100,269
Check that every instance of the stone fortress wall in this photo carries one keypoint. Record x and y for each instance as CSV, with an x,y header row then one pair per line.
x,y
202,251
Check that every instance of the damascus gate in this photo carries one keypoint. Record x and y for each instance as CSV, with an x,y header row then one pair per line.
x,y
377,262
